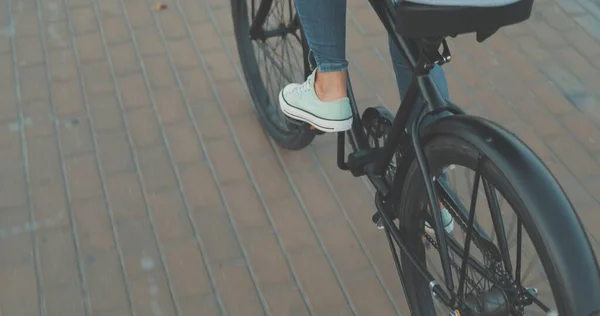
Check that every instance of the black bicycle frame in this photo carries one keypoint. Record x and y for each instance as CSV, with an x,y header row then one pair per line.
x,y
405,131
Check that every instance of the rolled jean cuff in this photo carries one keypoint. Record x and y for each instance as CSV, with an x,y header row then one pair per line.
x,y
332,67
326,66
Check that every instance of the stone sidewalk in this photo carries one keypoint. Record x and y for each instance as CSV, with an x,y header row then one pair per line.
x,y
135,179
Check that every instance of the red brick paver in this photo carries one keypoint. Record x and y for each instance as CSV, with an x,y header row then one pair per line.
x,y
136,180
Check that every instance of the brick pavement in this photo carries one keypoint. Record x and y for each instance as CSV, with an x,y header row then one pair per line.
x,y
136,180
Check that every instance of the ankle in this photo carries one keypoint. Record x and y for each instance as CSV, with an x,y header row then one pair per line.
x,y
330,86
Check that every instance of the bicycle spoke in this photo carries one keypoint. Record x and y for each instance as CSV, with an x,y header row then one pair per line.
x,y
519,246
528,270
455,204
273,60
292,51
541,305
470,228
494,206
511,230
282,48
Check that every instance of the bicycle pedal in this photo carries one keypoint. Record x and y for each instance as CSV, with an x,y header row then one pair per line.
x,y
316,130
293,121
299,123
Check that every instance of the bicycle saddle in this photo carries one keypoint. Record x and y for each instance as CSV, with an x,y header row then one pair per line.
x,y
443,18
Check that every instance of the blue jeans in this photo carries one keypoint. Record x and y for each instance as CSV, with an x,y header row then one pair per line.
x,y
324,25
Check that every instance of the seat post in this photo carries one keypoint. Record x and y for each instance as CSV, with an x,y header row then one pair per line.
x,y
429,57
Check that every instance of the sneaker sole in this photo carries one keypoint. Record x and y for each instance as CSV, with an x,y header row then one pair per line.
x,y
317,122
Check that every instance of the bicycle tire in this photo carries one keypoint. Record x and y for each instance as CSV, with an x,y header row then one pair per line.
x,y
293,136
459,140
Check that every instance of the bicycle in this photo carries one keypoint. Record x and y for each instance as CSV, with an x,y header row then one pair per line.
x,y
407,161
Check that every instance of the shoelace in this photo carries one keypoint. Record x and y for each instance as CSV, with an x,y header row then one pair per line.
x,y
305,86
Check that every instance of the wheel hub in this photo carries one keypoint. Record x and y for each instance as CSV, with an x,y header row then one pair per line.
x,y
490,303
495,302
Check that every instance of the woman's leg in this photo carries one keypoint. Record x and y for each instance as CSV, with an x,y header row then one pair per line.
x,y
322,100
324,25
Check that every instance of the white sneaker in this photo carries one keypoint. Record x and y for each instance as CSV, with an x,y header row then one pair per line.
x,y
447,219
300,102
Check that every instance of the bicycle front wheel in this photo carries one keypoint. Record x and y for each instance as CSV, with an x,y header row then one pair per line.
x,y
272,56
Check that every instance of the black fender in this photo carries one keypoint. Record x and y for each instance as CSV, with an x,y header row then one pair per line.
x,y
559,227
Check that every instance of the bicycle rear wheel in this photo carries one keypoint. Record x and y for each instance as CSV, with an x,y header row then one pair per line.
x,y
497,278
275,57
